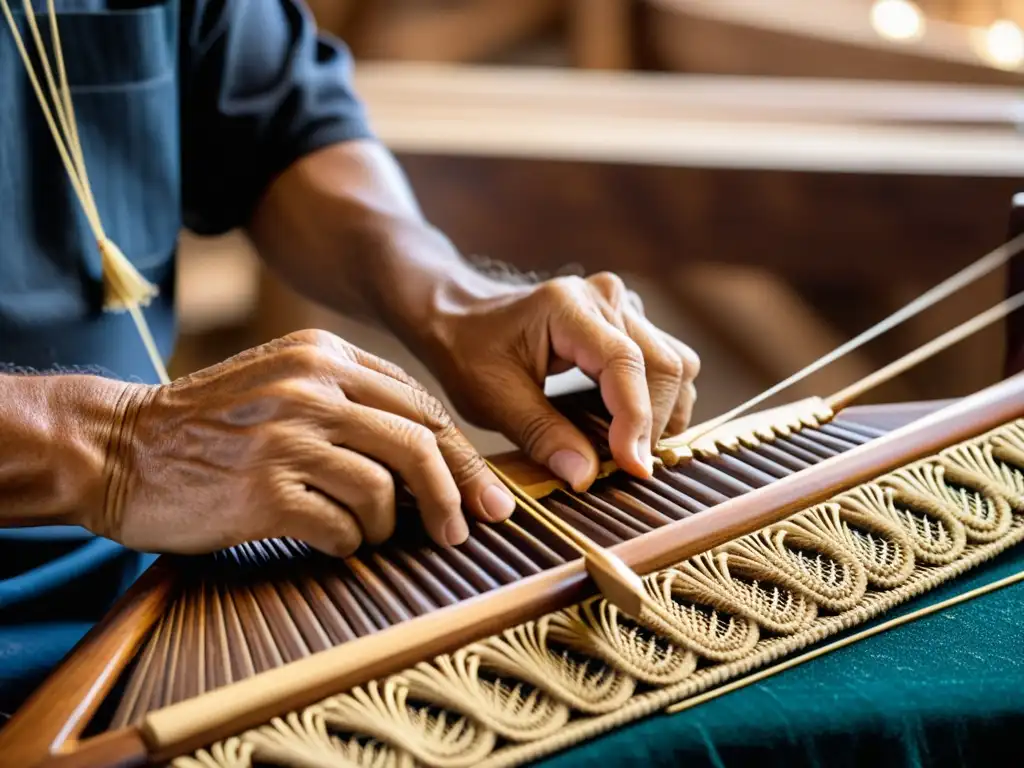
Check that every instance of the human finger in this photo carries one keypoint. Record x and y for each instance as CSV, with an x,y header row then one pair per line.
x,y
616,362
664,368
682,412
356,482
526,416
483,494
411,450
313,517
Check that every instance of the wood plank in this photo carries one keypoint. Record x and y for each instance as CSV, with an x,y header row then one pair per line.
x,y
802,38
670,121
462,32
601,33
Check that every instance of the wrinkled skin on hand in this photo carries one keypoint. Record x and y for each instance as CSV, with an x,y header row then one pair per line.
x,y
303,437
491,348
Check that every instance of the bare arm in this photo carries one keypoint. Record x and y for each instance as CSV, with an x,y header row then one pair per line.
x,y
54,433
342,226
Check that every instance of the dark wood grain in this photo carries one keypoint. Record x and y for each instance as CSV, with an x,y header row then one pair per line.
x,y
61,708
542,214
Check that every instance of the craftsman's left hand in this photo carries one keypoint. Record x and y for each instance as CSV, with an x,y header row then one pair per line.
x,y
491,346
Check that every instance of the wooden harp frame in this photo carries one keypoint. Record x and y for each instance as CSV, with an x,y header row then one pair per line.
x,y
46,730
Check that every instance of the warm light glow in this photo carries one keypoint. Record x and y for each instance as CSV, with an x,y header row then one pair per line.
x,y
1004,45
897,19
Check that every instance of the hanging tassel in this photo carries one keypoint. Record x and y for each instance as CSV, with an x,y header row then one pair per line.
x,y
124,288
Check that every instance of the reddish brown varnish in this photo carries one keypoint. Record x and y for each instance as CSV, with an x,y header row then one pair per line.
x,y
57,712
401,645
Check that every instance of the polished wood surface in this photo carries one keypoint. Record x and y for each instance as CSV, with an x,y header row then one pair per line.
x,y
123,748
189,724
55,715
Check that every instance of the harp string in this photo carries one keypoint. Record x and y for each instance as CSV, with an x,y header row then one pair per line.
x,y
847,395
973,272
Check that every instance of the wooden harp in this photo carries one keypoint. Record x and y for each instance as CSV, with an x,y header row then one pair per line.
x,y
767,532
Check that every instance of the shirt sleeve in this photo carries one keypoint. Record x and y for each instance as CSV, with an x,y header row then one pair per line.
x,y
260,88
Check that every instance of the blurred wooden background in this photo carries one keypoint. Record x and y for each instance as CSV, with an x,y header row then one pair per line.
x,y
771,177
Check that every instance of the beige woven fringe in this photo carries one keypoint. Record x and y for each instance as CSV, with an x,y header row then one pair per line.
x,y
551,683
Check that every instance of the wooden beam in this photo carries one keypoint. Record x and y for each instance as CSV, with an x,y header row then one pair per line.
x,y
664,120
471,30
601,33
808,37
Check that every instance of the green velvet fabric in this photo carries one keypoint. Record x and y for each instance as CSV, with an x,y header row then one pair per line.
x,y
944,690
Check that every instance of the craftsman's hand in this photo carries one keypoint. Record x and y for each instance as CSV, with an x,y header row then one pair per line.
x,y
492,345
296,438
343,227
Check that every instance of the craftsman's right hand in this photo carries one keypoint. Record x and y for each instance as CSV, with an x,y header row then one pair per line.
x,y
304,437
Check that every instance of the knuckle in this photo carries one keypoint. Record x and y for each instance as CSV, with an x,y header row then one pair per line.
x,y
627,357
295,393
561,289
314,337
306,359
433,415
420,442
464,467
378,485
609,284
532,430
665,363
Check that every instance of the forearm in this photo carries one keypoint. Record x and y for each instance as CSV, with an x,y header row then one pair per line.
x,y
54,433
343,228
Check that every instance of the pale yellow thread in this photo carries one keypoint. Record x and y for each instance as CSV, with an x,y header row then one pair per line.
x,y
818,652
124,287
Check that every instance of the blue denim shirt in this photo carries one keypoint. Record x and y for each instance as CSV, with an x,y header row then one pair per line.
x,y
186,110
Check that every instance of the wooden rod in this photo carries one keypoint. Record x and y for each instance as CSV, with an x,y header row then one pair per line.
x,y
618,584
191,724
858,389
973,272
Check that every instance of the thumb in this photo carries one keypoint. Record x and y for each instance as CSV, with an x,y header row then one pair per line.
x,y
526,417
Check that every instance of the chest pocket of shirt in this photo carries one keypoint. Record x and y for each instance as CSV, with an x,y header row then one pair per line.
x,y
122,71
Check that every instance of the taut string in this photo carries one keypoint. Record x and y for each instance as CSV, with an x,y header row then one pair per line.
x,y
847,395
619,584
124,287
983,266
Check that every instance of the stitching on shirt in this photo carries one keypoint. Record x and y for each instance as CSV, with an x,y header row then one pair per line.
x,y
130,85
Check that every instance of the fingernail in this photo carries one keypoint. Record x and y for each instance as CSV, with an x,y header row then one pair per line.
x,y
497,502
643,455
456,532
570,466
